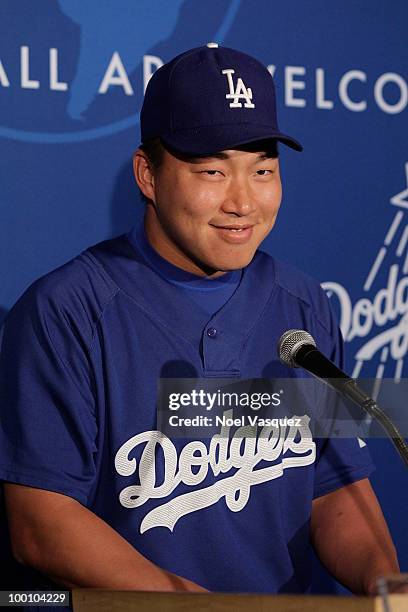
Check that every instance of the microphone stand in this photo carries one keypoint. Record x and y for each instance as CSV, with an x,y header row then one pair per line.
x,y
350,389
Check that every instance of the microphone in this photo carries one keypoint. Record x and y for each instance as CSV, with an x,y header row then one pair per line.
x,y
297,349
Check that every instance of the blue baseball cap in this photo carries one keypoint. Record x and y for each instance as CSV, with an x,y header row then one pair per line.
x,y
211,99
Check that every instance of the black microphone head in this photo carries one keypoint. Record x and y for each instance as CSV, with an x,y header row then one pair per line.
x,y
289,344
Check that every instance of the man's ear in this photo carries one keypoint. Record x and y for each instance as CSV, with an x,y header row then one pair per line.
x,y
144,175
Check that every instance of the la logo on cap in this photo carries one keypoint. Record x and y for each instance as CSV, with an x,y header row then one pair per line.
x,y
240,92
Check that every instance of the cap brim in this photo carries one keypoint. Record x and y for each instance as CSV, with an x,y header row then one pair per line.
x,y
212,139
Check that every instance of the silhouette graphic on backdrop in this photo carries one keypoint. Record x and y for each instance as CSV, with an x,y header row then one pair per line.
x,y
122,29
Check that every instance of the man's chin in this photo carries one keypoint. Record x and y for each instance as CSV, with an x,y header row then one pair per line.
x,y
229,265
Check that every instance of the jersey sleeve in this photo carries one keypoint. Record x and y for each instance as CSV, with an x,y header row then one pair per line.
x,y
48,429
340,460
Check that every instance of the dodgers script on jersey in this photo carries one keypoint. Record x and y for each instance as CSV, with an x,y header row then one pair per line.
x,y
81,355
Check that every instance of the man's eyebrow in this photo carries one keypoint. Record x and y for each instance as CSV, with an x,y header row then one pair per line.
x,y
221,155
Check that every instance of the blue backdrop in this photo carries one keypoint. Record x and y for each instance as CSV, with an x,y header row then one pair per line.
x,y
72,77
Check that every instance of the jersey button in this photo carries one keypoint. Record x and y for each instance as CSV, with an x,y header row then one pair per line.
x,y
211,332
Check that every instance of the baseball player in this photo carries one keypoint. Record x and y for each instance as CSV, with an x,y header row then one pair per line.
x,y
96,494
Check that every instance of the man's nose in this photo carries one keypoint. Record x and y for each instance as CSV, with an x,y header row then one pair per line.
x,y
239,199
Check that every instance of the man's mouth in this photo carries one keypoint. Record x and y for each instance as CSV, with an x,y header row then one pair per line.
x,y
235,234
234,228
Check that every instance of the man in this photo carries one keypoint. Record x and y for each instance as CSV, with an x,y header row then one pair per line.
x,y
96,495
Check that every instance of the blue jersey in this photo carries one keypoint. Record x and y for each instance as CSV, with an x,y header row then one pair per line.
x,y
82,352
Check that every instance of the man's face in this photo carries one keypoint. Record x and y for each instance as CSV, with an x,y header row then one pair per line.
x,y
209,215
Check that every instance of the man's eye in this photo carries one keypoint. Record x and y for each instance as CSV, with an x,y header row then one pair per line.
x,y
264,172
210,172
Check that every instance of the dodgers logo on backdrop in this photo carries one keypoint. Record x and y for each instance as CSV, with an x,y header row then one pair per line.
x,y
238,91
95,71
377,322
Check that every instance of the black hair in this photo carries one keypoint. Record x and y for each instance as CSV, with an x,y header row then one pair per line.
x,y
154,150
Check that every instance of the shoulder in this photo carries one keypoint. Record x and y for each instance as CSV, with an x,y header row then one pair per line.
x,y
297,288
73,295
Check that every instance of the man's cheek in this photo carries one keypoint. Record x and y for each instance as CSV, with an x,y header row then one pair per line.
x,y
207,197
197,211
